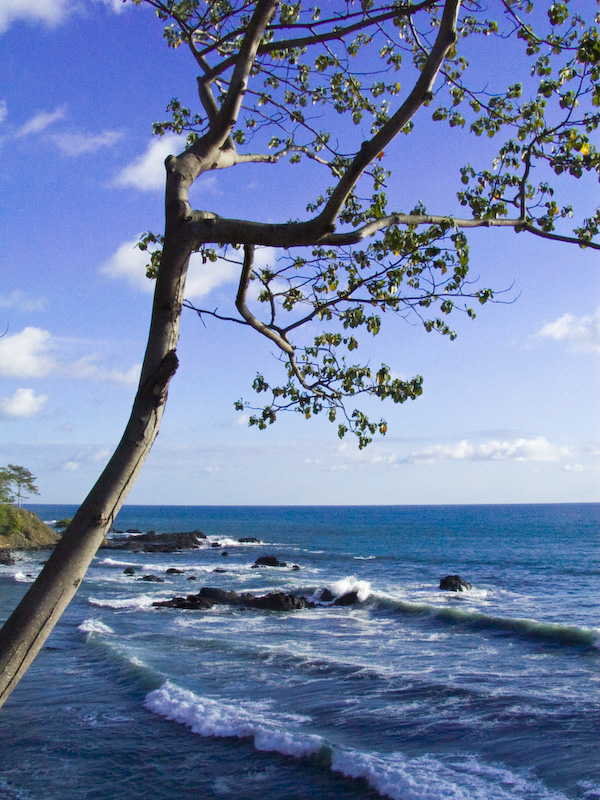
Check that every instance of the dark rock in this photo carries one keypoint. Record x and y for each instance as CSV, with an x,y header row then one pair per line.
x,y
129,571
249,540
135,530
216,544
269,561
279,601
224,553
326,596
192,601
220,596
219,569
192,578
348,599
153,579
6,557
174,571
454,583
209,596
295,567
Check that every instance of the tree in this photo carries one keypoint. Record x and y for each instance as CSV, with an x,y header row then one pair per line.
x,y
16,483
269,74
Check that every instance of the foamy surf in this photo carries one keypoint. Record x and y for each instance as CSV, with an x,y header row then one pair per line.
x,y
90,626
426,778
391,775
208,717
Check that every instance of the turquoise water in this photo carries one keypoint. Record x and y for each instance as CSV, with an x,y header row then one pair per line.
x,y
413,694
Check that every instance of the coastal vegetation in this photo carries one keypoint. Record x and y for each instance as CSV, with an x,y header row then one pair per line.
x,y
335,91
20,529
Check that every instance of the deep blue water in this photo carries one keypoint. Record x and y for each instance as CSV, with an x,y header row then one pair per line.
x,y
412,694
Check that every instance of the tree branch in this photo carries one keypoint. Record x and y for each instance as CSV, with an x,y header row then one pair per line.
x,y
240,304
420,93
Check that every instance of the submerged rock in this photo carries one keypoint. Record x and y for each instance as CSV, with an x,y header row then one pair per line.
x,y
174,571
153,579
129,571
454,583
249,540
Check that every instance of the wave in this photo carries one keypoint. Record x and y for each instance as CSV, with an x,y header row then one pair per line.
x,y
208,717
94,626
551,632
391,775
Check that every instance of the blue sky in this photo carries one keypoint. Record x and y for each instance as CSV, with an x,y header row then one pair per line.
x,y
509,411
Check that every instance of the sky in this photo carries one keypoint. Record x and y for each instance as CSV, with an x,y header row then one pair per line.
x,y
509,412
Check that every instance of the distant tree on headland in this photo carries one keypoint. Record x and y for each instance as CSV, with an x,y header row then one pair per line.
x,y
16,483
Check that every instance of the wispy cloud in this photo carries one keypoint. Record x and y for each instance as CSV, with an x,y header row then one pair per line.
x,y
40,121
147,172
580,333
23,404
76,144
538,449
22,301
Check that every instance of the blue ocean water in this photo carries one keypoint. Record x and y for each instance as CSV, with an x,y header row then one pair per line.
x,y
412,694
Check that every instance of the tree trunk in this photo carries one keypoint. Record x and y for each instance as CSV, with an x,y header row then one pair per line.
x,y
26,630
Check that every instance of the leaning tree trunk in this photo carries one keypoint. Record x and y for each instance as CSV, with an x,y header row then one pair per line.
x,y
30,624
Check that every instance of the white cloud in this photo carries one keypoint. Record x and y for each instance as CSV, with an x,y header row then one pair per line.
x,y
26,354
147,172
581,333
538,449
71,466
23,404
40,122
49,12
76,144
203,278
3,110
30,354
128,263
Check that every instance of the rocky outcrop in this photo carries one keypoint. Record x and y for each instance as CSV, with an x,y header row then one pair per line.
x,y
23,530
454,583
157,542
208,596
6,557
249,540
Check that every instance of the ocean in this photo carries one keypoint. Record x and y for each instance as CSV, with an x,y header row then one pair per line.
x,y
412,693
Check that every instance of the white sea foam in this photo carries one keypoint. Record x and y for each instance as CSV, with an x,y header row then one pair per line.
x,y
21,577
427,778
140,602
94,626
271,731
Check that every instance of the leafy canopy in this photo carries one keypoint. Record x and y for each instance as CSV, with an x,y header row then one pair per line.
x,y
331,88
